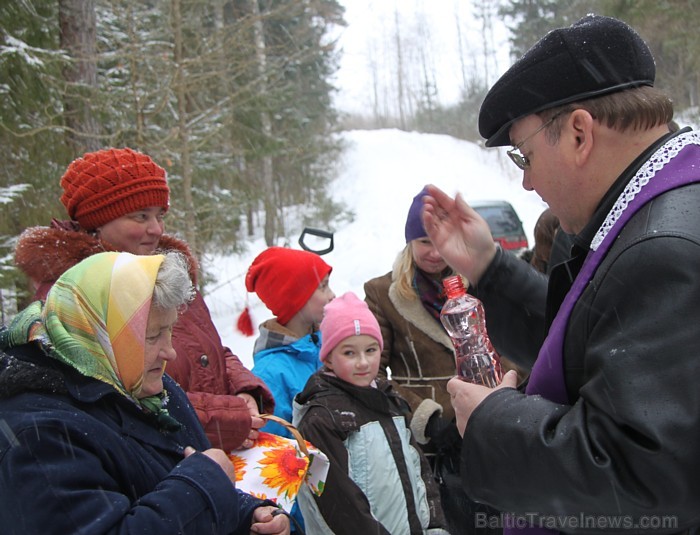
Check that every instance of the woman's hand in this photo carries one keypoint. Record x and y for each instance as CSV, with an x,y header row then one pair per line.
x,y
269,520
256,421
219,457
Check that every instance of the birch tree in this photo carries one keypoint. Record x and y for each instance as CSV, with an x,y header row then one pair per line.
x,y
269,197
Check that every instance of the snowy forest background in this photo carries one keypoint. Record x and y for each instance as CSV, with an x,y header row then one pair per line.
x,y
237,98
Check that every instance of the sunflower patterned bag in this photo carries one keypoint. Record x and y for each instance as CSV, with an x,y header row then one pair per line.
x,y
275,468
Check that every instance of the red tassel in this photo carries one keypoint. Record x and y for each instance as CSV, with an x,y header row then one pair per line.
x,y
245,323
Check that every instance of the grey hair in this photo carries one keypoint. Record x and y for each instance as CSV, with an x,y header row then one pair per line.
x,y
173,287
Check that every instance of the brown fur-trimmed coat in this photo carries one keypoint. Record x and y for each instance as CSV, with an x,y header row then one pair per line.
x,y
416,349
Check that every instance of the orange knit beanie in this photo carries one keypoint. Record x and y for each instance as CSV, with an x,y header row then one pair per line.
x,y
105,185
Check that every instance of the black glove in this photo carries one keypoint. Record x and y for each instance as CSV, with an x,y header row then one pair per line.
x,y
436,424
443,434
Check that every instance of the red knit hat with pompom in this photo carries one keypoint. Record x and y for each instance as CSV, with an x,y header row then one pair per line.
x,y
105,185
285,279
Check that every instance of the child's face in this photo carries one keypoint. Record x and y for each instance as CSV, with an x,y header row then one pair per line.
x,y
312,311
355,360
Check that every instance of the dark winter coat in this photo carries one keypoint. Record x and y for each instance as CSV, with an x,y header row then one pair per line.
x,y
208,371
78,457
416,347
631,361
378,482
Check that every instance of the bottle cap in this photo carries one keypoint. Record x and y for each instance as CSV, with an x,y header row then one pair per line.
x,y
454,286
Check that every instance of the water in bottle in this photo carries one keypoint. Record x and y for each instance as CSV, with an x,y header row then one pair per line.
x,y
464,320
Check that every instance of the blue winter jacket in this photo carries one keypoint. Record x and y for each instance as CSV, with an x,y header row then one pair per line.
x,y
285,365
77,457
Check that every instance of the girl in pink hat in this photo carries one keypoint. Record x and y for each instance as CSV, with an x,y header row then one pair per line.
x,y
378,481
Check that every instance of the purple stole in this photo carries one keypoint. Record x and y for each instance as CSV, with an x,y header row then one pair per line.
x,y
673,165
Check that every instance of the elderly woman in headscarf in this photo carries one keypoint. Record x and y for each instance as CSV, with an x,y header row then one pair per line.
x,y
96,438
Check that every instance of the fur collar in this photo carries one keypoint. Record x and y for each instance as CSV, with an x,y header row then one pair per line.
x,y
45,253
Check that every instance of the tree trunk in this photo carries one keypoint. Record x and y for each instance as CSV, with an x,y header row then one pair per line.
x,y
484,11
134,75
266,123
183,132
399,71
460,48
78,32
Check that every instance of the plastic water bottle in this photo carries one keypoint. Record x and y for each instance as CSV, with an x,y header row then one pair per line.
x,y
464,320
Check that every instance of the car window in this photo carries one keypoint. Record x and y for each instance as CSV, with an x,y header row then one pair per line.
x,y
501,220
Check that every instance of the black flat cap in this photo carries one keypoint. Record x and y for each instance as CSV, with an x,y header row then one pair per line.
x,y
592,57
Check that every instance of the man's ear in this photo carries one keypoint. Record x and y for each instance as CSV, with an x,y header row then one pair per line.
x,y
581,129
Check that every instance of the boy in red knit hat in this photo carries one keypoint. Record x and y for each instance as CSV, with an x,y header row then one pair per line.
x,y
116,200
294,285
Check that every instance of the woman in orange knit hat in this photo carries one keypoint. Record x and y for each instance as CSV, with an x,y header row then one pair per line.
x,y
116,200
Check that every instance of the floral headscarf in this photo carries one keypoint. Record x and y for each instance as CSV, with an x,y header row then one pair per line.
x,y
94,320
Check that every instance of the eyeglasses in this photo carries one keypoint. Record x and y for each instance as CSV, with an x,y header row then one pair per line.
x,y
523,162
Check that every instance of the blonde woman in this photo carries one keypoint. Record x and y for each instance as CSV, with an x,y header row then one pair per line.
x,y
419,354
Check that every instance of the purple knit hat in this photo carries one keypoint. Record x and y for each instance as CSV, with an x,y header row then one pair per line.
x,y
414,221
347,316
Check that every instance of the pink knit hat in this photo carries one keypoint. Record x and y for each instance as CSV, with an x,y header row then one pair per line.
x,y
346,316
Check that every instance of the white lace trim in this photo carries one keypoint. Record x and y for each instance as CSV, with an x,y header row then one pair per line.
x,y
659,159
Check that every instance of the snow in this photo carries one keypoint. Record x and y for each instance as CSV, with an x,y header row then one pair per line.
x,y
29,54
10,193
378,176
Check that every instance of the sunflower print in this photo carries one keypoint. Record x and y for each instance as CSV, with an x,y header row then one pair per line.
x,y
284,470
239,465
276,467
268,440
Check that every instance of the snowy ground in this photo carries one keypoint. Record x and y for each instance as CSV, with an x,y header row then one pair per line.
x,y
378,176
